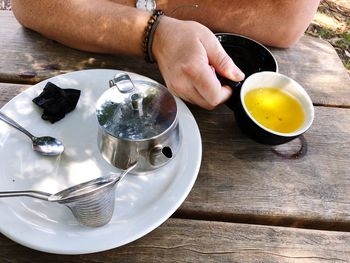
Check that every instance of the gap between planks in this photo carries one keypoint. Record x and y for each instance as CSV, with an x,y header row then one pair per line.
x,y
263,220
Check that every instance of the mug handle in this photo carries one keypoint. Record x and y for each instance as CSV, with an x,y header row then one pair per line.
x,y
234,101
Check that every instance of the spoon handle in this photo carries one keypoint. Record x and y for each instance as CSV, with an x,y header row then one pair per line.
x,y
35,194
14,124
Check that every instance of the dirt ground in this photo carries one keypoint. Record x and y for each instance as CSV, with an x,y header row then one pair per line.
x,y
331,23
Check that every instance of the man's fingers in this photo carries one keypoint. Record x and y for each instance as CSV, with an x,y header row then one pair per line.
x,y
196,98
209,87
222,63
192,95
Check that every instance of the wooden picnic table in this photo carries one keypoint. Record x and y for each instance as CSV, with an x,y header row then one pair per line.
x,y
249,204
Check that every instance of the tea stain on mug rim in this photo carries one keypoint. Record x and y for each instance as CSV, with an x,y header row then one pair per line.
x,y
295,155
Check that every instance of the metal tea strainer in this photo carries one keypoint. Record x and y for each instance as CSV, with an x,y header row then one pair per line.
x,y
92,202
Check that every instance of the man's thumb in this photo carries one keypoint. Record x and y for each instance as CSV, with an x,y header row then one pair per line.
x,y
224,66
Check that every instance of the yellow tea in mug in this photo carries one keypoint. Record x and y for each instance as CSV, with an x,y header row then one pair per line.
x,y
275,109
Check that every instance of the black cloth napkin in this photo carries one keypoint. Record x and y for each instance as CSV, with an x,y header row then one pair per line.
x,y
56,102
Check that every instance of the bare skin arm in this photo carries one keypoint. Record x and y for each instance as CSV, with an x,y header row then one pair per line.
x,y
98,26
278,23
109,27
187,52
274,22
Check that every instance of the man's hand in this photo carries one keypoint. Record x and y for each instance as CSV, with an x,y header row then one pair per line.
x,y
188,55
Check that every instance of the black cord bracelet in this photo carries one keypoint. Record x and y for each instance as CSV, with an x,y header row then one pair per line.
x,y
149,34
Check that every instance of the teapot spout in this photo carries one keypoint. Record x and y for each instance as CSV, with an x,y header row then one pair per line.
x,y
160,155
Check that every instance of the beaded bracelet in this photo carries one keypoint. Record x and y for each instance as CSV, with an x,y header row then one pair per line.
x,y
149,34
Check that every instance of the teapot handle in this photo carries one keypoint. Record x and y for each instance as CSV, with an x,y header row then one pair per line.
x,y
123,83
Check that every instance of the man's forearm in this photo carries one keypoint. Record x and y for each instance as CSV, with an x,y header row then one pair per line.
x,y
187,53
272,22
117,27
98,26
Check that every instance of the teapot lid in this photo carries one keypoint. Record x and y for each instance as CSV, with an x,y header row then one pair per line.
x,y
135,109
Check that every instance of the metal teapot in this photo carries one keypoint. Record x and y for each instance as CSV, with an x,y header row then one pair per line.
x,y
137,123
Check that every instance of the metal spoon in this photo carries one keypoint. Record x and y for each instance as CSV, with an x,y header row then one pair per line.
x,y
44,145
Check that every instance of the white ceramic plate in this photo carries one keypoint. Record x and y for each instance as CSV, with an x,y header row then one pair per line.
x,y
142,202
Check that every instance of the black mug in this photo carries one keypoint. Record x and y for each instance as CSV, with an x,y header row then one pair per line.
x,y
257,130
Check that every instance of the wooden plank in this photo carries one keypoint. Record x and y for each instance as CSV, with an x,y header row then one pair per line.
x,y
28,58
243,181
202,241
315,64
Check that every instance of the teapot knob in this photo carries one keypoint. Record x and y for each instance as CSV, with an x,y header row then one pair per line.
x,y
136,101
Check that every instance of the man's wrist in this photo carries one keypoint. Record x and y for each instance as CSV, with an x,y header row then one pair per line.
x,y
161,35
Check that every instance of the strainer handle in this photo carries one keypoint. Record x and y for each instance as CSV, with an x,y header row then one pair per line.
x,y
125,172
34,194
